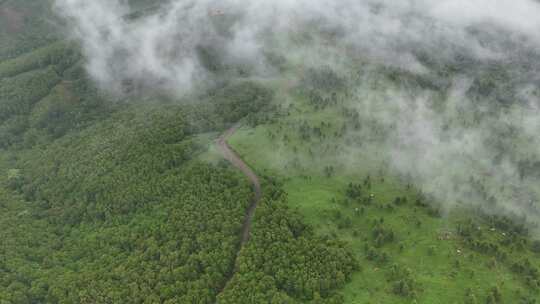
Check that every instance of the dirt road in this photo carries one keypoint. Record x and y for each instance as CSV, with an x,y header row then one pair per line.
x,y
236,161
229,154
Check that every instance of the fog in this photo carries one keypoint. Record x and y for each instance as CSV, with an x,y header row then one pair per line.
x,y
161,47
481,146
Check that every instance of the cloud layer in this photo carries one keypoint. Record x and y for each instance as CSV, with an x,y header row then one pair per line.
x,y
162,47
483,55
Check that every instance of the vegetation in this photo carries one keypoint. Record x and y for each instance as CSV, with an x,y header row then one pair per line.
x,y
24,26
58,54
406,244
108,202
107,199
46,95
285,262
122,212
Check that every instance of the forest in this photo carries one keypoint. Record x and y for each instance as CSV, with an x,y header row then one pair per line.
x,y
104,201
408,176
122,210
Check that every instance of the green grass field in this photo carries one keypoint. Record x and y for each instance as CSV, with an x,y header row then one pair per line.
x,y
440,266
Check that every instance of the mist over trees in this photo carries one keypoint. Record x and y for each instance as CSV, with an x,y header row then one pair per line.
x,y
110,189
447,89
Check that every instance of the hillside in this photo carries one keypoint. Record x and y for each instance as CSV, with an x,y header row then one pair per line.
x,y
408,245
173,152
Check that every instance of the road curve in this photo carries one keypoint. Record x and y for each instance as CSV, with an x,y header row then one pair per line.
x,y
229,154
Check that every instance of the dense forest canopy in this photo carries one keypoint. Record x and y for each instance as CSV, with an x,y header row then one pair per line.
x,y
105,201
396,146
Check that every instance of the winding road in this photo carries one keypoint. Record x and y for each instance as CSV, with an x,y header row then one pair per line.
x,y
236,161
229,154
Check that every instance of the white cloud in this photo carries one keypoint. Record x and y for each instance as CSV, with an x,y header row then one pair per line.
x,y
441,149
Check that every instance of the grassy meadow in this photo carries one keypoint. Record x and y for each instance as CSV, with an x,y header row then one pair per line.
x,y
425,250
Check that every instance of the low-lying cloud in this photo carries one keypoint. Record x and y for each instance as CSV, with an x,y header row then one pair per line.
x,y
161,47
482,54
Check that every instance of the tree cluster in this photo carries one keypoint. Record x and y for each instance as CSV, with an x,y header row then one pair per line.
x,y
285,262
